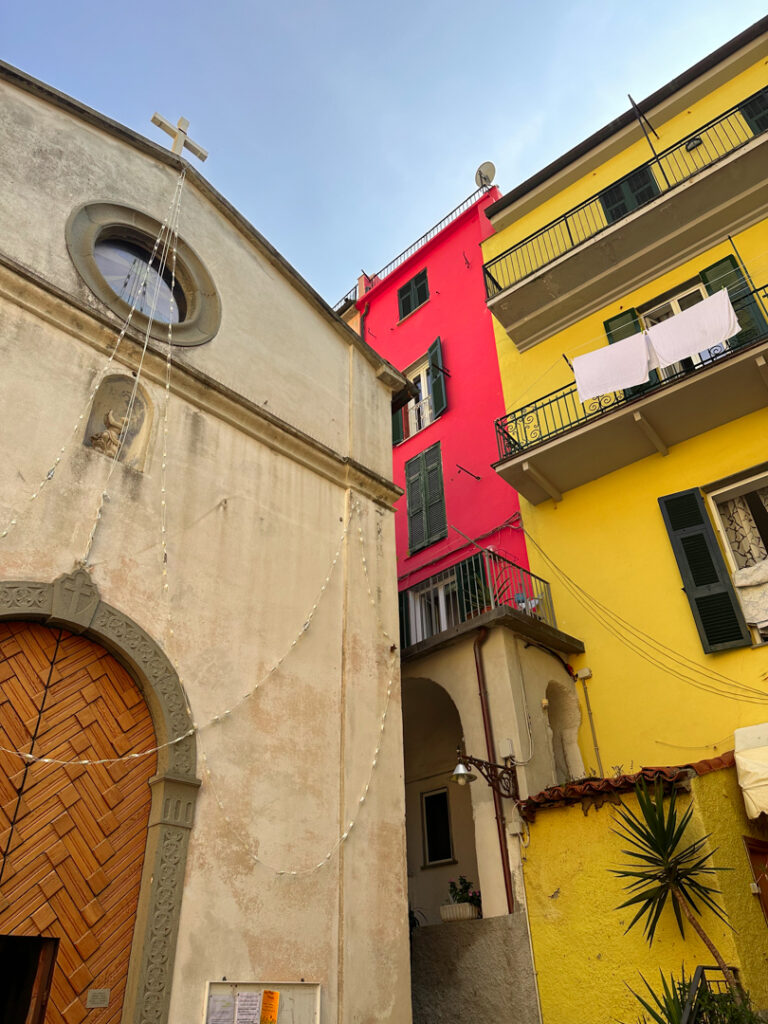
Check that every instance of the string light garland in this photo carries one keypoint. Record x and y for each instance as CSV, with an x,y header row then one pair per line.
x,y
221,716
168,235
49,476
343,836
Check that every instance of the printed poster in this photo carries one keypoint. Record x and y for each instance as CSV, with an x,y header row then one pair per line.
x,y
221,1008
269,1007
248,1008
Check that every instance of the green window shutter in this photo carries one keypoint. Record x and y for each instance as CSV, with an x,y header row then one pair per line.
x,y
622,326
629,193
397,426
417,508
755,111
726,273
436,378
707,585
405,620
437,525
412,294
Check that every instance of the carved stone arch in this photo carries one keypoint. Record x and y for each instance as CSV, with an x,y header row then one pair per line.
x,y
72,601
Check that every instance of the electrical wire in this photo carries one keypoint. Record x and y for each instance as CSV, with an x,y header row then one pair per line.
x,y
634,638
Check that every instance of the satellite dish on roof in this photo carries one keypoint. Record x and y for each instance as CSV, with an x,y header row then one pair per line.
x,y
486,172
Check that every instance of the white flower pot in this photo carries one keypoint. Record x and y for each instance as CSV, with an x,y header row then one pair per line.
x,y
458,912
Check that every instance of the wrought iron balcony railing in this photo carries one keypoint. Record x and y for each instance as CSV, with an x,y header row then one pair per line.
x,y
477,584
709,998
673,166
353,294
561,411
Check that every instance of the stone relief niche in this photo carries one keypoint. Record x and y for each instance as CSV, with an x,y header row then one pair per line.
x,y
110,430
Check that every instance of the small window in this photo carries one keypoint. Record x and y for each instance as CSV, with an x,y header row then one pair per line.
x,y
629,193
428,377
413,294
740,511
755,111
425,499
438,847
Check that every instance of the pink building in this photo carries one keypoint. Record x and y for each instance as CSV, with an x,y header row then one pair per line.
x,y
426,313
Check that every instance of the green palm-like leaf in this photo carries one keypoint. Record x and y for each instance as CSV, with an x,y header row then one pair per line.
x,y
659,863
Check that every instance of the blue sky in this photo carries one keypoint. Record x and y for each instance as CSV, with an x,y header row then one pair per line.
x,y
343,130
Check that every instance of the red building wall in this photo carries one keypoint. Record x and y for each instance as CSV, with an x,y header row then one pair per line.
x,y
456,313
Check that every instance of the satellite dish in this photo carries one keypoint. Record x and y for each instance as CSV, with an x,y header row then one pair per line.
x,y
485,174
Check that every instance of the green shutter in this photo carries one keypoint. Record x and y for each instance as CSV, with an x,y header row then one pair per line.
x,y
405,620
436,378
627,195
425,499
412,294
437,526
706,583
755,111
726,273
397,426
414,496
622,326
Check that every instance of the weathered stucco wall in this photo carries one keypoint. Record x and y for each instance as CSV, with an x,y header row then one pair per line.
x,y
254,519
583,958
474,972
279,353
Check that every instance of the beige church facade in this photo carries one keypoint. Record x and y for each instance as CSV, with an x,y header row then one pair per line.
x,y
201,782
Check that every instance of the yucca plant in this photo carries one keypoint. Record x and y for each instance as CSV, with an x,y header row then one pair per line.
x,y
663,868
666,1006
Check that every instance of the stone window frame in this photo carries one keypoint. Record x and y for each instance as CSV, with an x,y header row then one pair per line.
x,y
89,223
72,601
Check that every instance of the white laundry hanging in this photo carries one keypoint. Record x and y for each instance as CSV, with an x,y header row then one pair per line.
x,y
707,325
624,364
751,755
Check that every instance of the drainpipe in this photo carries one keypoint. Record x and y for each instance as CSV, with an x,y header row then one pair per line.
x,y
482,636
363,315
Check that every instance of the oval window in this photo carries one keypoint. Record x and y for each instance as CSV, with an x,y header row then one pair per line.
x,y
134,277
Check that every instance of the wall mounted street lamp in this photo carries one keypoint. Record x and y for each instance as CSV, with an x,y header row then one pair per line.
x,y
502,778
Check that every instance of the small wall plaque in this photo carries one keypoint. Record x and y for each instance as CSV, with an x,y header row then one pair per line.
x,y
97,997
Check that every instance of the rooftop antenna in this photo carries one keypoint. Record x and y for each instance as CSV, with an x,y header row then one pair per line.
x,y
486,172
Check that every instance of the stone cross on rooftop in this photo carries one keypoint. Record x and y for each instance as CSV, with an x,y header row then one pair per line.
x,y
178,133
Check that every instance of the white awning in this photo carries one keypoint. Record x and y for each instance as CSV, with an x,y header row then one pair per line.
x,y
751,754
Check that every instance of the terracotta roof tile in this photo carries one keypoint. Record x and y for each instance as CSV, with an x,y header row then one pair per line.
x,y
596,792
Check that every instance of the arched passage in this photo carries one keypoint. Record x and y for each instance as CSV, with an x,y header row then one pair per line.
x,y
73,602
440,829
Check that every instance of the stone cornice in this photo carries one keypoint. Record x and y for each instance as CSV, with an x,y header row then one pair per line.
x,y
22,287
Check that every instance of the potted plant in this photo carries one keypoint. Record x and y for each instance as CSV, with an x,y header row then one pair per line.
x,y
464,901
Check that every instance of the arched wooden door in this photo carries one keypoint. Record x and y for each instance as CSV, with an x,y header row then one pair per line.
x,y
72,837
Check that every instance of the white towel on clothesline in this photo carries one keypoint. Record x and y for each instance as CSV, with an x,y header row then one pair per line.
x,y
612,368
708,324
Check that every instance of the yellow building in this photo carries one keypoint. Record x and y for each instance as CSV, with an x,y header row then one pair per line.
x,y
646,506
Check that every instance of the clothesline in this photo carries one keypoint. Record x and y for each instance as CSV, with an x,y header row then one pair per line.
x,y
628,363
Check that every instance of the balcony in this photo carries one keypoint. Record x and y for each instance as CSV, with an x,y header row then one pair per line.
x,y
558,443
695,192
481,590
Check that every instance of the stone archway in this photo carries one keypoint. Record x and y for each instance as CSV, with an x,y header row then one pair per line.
x,y
72,601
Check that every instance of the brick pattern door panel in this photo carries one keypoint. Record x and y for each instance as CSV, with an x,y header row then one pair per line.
x,y
76,838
